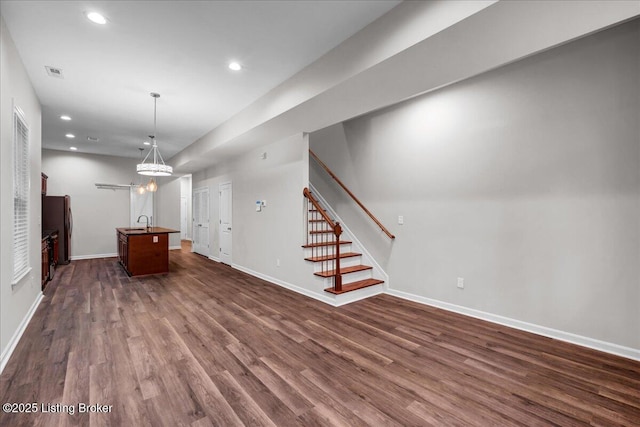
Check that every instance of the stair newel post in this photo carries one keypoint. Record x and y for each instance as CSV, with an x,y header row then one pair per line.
x,y
337,230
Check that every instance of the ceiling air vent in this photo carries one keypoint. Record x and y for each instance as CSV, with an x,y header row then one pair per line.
x,y
54,72
92,139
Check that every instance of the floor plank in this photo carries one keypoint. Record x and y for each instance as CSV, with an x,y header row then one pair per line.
x,y
207,345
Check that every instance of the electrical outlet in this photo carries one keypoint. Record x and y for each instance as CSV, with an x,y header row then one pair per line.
x,y
400,219
461,282
278,262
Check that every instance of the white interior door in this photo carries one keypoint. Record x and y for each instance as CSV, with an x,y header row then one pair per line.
x,y
184,220
225,222
201,221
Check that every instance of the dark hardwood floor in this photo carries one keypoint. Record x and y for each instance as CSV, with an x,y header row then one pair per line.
x,y
209,345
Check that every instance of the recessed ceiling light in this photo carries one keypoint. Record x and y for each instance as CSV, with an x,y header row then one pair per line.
x,y
146,143
70,135
73,148
235,66
66,118
96,18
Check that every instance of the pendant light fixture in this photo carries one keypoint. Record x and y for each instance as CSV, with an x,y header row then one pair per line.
x,y
156,165
152,186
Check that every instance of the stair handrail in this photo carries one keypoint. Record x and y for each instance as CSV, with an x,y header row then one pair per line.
x,y
337,231
344,187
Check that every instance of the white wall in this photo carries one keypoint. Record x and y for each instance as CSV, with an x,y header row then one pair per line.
x,y
525,181
168,207
260,238
16,89
96,212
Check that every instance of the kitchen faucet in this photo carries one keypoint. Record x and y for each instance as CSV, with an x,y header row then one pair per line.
x,y
146,217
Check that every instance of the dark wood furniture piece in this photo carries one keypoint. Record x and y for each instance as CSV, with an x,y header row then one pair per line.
x,y
43,183
56,215
55,247
144,251
45,261
50,255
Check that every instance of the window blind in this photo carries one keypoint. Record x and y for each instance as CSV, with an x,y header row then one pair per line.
x,y
20,197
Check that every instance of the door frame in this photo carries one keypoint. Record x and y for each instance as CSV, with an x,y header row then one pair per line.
x,y
220,208
184,218
196,193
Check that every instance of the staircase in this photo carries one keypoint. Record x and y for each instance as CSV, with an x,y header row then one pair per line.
x,y
331,253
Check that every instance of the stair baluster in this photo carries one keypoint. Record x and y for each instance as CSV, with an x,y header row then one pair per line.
x,y
320,242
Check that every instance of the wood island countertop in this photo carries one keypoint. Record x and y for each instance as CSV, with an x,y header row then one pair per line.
x,y
143,230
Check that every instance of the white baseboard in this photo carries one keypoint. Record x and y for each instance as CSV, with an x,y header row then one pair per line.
x,y
94,256
13,342
324,298
607,347
173,248
214,258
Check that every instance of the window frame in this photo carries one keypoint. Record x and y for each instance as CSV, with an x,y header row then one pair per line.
x,y
21,192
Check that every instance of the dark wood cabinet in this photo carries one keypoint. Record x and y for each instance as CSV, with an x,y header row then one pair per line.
x,y
123,250
55,248
45,261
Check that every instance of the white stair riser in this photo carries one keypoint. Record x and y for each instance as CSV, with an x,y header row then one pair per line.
x,y
314,238
354,277
328,250
344,262
324,282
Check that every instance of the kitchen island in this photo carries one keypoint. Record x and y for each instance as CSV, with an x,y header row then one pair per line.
x,y
144,250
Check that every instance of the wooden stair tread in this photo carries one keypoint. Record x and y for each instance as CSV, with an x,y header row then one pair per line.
x,y
320,231
315,245
349,287
343,270
330,257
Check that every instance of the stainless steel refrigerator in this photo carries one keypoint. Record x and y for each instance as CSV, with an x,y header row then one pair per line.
x,y
56,215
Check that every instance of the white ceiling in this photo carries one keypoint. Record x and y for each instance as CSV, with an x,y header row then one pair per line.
x,y
179,49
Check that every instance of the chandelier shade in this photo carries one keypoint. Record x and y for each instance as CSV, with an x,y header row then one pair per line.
x,y
154,170
156,166
153,163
